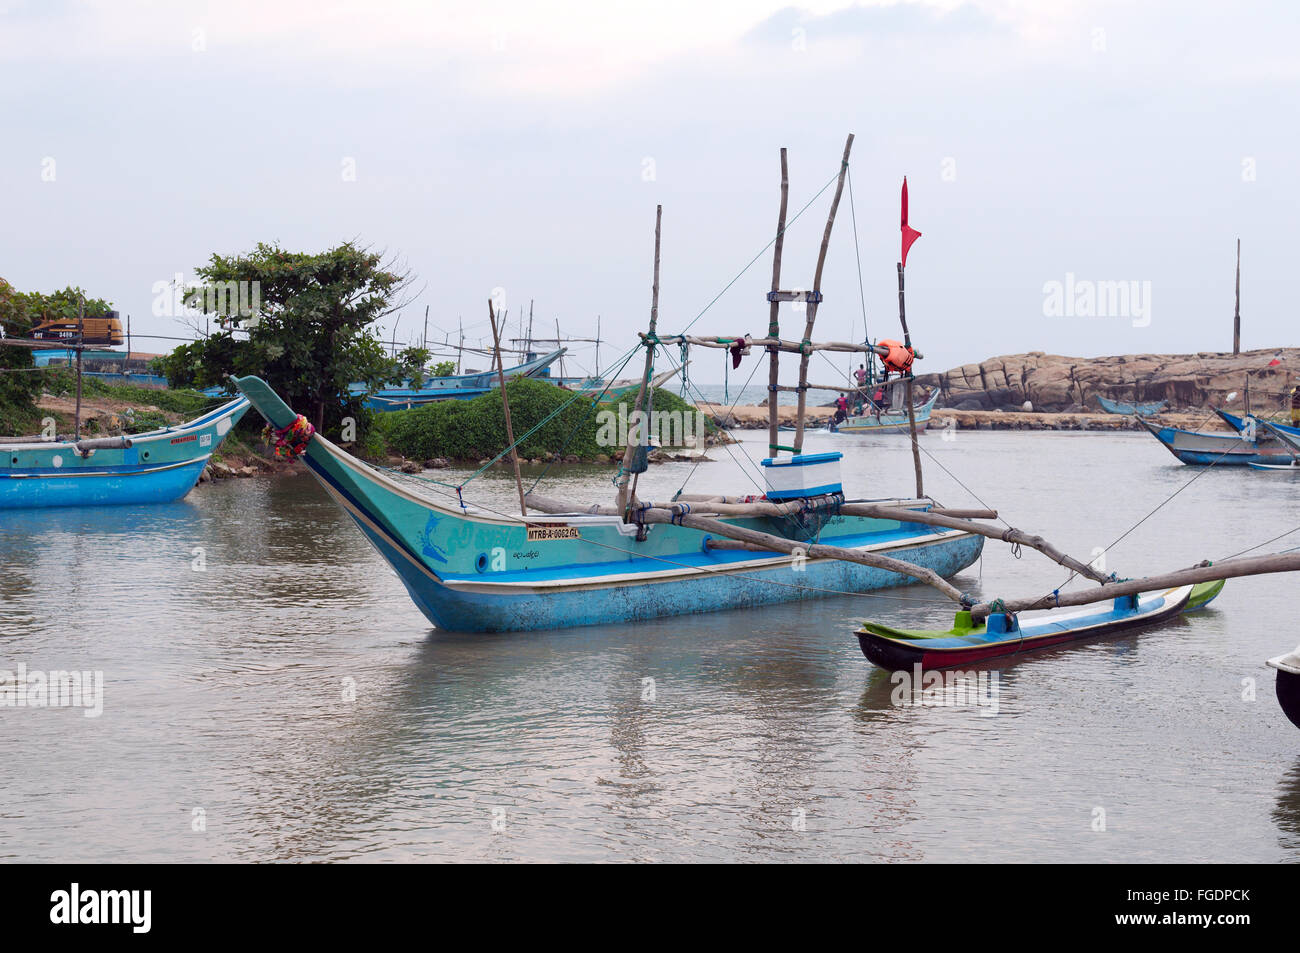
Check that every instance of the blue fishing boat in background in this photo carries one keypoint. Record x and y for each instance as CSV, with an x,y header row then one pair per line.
x,y
877,420
452,387
1131,409
154,467
1248,448
1244,423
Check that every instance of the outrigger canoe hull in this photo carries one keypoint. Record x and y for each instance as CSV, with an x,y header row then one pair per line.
x,y
890,421
155,467
473,570
1002,636
1206,449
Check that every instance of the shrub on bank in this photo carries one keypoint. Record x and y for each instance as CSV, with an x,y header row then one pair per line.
x,y
475,429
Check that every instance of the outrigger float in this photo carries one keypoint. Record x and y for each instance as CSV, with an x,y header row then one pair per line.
x,y
558,563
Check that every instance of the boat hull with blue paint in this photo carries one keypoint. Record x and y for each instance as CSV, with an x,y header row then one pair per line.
x,y
1131,409
1005,635
472,569
1244,424
433,389
1219,449
889,421
454,387
155,467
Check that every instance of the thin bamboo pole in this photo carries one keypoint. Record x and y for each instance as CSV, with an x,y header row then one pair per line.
x,y
946,520
505,404
1009,535
707,504
81,347
791,347
774,319
1236,310
624,499
812,305
907,394
811,550
1202,572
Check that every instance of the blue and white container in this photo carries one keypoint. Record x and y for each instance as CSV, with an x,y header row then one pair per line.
x,y
808,474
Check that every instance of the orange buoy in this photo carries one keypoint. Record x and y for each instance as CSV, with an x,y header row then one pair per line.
x,y
899,359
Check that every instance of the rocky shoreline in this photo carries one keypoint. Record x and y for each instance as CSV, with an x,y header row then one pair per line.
x,y
1039,391
1059,384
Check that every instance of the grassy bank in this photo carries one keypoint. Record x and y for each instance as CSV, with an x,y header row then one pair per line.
x,y
471,430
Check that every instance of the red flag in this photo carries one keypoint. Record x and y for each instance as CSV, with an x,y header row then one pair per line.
x,y
909,234
1274,363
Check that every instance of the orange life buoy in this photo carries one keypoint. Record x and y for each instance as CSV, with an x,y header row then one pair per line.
x,y
899,359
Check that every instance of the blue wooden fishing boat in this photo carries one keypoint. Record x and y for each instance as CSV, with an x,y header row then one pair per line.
x,y
454,387
888,421
1006,634
470,568
1130,408
1219,449
154,467
1245,423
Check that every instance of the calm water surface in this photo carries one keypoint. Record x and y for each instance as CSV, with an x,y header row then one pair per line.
x,y
225,691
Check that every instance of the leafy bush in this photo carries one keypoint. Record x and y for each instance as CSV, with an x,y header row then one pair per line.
x,y
475,429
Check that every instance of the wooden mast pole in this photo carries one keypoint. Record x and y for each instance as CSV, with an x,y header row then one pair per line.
x,y
774,320
81,346
812,305
505,404
624,499
1236,311
907,393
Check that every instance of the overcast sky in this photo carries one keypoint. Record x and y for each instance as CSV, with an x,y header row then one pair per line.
x,y
525,146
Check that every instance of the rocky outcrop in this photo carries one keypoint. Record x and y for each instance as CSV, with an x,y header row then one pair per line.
x,y
1051,382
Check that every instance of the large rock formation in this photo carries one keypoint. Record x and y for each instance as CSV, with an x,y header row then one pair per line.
x,y
1055,383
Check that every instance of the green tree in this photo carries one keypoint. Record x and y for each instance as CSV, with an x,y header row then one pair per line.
x,y
20,385
409,365
311,334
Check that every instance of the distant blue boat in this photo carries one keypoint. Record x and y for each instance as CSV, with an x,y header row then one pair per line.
x,y
1131,409
1220,449
155,467
455,387
1240,424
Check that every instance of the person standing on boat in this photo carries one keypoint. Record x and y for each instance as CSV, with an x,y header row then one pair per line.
x,y
861,375
1295,406
841,408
